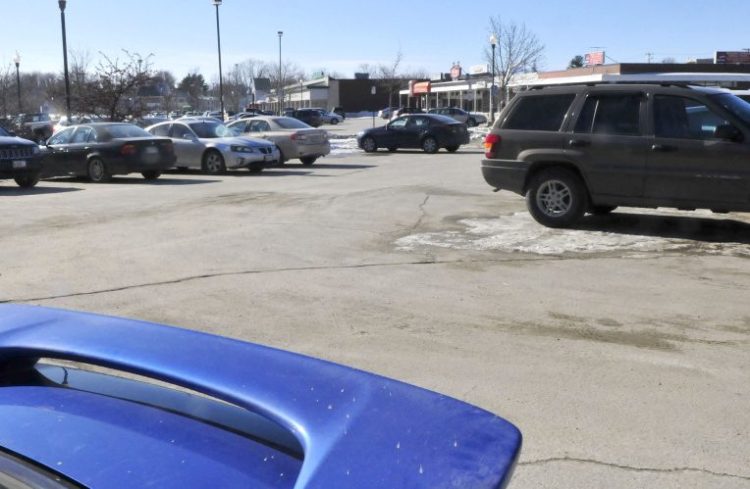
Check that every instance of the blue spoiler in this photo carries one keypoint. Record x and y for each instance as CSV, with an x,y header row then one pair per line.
x,y
356,429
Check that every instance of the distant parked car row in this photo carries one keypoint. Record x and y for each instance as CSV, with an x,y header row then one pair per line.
x,y
430,132
471,119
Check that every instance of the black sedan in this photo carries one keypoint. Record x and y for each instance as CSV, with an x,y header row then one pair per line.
x,y
100,150
426,131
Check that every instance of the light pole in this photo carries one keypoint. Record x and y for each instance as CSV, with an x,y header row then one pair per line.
x,y
301,88
218,41
493,43
17,61
281,82
62,4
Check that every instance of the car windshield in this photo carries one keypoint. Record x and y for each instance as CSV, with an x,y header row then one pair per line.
x,y
3,132
210,130
289,123
118,131
738,107
444,119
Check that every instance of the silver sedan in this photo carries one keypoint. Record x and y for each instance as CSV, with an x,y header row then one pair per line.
x,y
212,147
294,138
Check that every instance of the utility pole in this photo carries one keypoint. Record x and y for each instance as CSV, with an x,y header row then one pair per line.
x,y
649,57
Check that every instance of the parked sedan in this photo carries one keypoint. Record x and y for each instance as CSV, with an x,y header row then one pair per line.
x,y
212,147
100,150
471,119
253,417
294,138
327,117
426,131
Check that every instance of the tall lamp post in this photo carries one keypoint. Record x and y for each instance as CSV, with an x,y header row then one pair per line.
x,y
301,89
17,61
62,4
217,3
493,43
281,82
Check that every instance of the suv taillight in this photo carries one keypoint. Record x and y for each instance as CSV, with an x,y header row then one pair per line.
x,y
489,144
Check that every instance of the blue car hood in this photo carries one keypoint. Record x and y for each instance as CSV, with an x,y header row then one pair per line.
x,y
357,430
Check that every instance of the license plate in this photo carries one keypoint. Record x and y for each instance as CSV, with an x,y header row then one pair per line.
x,y
19,164
151,150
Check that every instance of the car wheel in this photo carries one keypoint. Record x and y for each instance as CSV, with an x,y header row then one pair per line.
x,y
308,160
97,171
151,174
556,197
452,149
393,149
255,168
369,145
334,122
471,122
282,158
602,210
26,181
213,163
430,145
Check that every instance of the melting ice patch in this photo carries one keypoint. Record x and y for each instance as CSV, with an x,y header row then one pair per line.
x,y
520,233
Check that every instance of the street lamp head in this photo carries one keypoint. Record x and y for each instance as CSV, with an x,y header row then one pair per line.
x,y
217,2
62,4
17,59
281,33
493,40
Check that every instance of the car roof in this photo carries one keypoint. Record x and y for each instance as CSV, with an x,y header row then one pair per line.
x,y
624,87
356,429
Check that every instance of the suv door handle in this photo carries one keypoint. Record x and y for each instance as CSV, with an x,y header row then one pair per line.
x,y
578,143
663,148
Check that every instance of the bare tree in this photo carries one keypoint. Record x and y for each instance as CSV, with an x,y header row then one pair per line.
x,y
7,82
113,90
518,49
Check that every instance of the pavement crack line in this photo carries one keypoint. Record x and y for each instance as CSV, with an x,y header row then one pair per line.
x,y
674,470
423,215
251,272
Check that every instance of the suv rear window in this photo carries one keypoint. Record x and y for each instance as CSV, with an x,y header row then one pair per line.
x,y
540,113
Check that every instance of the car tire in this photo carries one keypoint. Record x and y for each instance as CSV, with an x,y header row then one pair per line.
x,y
452,149
334,122
151,174
471,122
369,145
430,145
282,158
213,163
602,210
27,181
392,149
97,171
556,197
308,160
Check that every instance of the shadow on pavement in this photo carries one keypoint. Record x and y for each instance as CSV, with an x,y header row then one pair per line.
x,y
328,166
39,190
124,180
681,227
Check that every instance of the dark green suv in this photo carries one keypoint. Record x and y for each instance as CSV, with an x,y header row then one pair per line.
x,y
577,149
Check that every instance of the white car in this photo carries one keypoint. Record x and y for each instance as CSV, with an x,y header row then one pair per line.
x,y
212,147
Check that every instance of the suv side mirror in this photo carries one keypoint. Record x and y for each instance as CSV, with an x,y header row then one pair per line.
x,y
728,132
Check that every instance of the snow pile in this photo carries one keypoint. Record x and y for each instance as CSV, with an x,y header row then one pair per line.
x,y
343,146
520,233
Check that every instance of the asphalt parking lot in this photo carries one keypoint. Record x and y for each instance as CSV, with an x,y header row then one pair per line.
x,y
619,348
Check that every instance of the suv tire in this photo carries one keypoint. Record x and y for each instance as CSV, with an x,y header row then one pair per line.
x,y
27,181
556,197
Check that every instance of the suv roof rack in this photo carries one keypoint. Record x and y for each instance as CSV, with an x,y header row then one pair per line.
x,y
596,83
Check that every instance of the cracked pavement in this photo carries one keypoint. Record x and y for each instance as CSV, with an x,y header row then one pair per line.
x,y
624,365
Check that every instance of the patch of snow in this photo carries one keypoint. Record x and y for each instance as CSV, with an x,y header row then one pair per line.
x,y
520,233
344,146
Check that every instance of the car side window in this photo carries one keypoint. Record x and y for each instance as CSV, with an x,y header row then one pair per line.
x,y
540,112
399,123
180,131
162,131
418,123
611,114
62,137
684,118
83,135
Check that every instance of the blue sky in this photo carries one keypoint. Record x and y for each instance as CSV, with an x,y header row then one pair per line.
x,y
341,34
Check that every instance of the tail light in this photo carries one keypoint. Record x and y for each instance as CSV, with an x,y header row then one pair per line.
x,y
168,147
298,137
128,150
490,142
